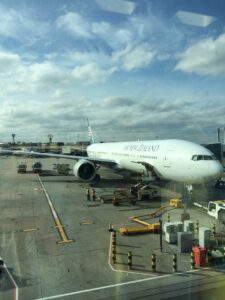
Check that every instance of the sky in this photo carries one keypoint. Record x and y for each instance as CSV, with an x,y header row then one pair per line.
x,y
138,70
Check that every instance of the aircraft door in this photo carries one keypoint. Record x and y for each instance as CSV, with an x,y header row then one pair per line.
x,y
167,159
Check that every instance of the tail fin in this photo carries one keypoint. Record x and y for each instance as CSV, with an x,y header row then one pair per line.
x,y
90,133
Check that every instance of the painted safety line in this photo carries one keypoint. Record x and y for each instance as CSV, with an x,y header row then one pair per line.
x,y
58,224
15,286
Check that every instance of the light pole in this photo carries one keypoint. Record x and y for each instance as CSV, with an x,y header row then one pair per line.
x,y
13,139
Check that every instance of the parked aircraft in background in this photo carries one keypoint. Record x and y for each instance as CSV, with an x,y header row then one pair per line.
x,y
175,160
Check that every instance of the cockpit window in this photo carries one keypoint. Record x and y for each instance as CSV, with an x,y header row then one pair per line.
x,y
208,157
203,157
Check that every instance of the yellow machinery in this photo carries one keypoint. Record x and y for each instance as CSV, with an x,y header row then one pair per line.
x,y
144,229
148,227
175,202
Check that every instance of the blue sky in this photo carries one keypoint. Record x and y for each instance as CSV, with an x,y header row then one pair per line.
x,y
140,69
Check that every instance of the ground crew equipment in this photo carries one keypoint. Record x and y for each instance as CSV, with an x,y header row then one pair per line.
x,y
141,229
215,209
36,167
129,256
22,167
145,191
118,197
62,169
148,227
174,263
176,202
153,262
123,195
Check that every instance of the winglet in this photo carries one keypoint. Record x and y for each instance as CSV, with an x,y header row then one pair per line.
x,y
90,133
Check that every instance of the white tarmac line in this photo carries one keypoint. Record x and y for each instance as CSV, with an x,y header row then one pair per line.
x,y
15,286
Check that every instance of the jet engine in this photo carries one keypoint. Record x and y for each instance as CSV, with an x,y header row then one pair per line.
x,y
84,170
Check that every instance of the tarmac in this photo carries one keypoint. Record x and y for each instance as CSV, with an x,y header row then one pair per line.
x,y
56,245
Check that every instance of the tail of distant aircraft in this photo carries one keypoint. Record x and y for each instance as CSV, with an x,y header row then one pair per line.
x,y
90,133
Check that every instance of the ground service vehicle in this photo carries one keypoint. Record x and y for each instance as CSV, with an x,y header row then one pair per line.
x,y
22,167
147,191
37,167
215,209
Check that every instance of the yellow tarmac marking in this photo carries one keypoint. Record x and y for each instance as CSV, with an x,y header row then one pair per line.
x,y
58,224
62,226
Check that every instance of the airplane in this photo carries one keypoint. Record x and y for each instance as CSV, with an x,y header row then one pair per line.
x,y
165,160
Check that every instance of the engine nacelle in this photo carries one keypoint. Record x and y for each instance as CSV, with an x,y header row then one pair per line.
x,y
84,170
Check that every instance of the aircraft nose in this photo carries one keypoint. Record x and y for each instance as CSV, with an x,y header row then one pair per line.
x,y
217,170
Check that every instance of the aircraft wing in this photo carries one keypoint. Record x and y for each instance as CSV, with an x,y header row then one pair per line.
x,y
99,161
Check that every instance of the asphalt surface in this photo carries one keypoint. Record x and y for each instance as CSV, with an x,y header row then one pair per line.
x,y
43,263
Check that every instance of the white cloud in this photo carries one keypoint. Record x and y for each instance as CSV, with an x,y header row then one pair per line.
x,y
90,74
206,57
54,75
110,116
141,56
59,94
133,58
20,25
8,62
115,37
101,28
45,73
19,76
117,101
77,58
74,24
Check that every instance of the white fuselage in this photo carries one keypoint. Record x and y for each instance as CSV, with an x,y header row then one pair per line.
x,y
175,160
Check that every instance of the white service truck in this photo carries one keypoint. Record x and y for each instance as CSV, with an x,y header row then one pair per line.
x,y
215,209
